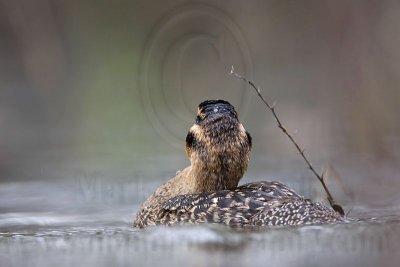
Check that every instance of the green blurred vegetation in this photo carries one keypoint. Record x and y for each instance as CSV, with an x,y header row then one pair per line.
x,y
72,95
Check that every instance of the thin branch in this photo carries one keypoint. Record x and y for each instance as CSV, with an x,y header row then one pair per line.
x,y
332,202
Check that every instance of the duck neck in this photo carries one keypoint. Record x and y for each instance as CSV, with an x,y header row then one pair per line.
x,y
217,174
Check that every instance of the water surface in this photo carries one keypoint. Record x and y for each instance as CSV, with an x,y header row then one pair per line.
x,y
43,224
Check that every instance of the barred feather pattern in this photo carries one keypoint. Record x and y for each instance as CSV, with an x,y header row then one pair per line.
x,y
253,204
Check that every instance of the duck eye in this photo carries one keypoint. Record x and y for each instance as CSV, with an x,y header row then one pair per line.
x,y
198,119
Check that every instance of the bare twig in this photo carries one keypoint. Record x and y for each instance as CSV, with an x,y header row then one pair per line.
x,y
332,202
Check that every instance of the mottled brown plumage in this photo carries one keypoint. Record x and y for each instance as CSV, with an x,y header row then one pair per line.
x,y
218,147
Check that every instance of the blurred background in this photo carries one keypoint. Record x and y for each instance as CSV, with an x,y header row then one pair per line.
x,y
102,93
96,98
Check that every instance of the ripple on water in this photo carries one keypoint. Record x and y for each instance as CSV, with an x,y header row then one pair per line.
x,y
102,236
364,242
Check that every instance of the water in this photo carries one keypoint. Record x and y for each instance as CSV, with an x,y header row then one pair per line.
x,y
45,224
